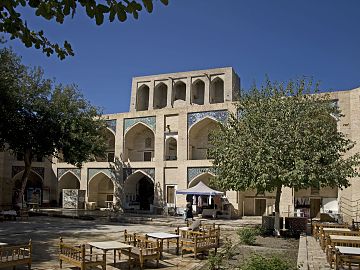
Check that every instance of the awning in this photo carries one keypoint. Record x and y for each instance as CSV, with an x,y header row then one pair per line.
x,y
199,189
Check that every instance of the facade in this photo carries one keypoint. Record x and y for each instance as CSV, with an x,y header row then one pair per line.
x,y
161,145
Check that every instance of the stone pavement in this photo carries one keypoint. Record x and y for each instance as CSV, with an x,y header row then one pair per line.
x,y
45,231
311,256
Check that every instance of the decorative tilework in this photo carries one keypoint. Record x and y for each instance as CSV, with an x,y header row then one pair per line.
x,y
193,172
130,171
39,170
93,171
148,121
111,124
75,171
220,116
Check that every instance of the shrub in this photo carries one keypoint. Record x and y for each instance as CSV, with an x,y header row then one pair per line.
x,y
228,249
214,261
274,262
247,235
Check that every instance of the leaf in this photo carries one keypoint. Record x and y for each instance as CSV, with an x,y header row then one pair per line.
x,y
148,5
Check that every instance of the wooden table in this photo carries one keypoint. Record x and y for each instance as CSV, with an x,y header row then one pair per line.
x,y
327,231
339,240
110,245
164,236
347,254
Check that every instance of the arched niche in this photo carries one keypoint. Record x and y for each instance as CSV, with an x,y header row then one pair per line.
x,y
101,189
179,91
217,91
110,147
142,98
171,149
204,177
33,190
67,181
139,143
139,191
198,92
160,96
199,138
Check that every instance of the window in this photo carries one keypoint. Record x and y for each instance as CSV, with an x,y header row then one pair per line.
x,y
147,156
170,194
110,156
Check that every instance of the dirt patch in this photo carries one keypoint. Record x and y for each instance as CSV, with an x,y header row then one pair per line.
x,y
286,248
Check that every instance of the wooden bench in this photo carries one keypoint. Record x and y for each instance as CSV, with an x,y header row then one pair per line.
x,y
143,249
343,241
15,255
200,244
76,255
346,255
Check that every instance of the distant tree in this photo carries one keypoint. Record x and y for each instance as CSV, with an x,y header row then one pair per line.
x,y
43,120
12,20
283,136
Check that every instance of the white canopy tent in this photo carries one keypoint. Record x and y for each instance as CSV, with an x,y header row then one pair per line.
x,y
200,189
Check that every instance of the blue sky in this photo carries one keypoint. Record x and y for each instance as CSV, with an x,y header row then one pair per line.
x,y
281,38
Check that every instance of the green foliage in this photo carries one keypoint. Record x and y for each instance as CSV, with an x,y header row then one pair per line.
x,y
38,118
228,249
13,23
283,135
214,261
258,262
247,235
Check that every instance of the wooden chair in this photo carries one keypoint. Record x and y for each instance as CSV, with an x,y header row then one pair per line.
x,y
76,255
143,250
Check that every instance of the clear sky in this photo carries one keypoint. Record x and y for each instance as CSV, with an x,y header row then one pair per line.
x,y
281,38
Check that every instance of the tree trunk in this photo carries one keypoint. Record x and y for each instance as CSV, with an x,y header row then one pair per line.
x,y
277,211
25,176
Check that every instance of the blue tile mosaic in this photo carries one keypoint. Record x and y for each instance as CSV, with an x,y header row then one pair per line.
x,y
129,171
39,170
195,117
111,124
75,171
93,171
148,121
193,172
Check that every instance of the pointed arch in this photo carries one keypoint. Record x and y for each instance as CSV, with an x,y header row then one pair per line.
x,y
142,98
139,143
217,91
179,91
101,189
171,148
204,177
67,181
198,92
199,137
160,96
33,189
139,191
110,147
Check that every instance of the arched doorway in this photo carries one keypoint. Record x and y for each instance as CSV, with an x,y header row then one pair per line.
x,y
101,190
33,189
110,148
179,92
139,191
139,143
160,96
198,92
199,138
217,91
171,149
204,177
142,98
67,181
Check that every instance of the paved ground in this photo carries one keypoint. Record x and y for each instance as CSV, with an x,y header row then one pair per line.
x,y
45,231
311,256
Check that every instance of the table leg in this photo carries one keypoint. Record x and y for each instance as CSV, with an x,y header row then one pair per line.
x,y
105,258
129,257
161,247
177,245
114,257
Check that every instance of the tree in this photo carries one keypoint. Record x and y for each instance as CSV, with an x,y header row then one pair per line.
x,y
40,119
13,23
283,136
